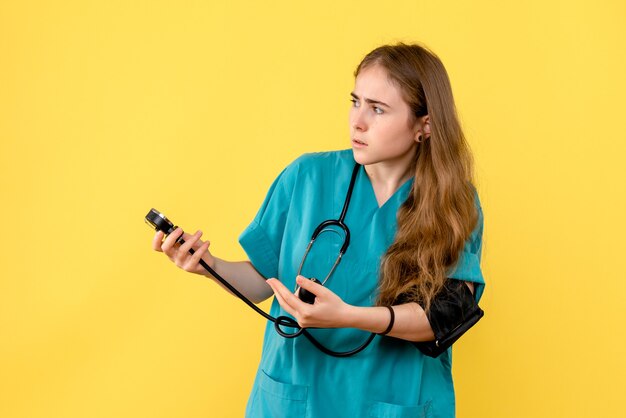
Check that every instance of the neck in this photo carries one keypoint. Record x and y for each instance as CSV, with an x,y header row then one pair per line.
x,y
388,176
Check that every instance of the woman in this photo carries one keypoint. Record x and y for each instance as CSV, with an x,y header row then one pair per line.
x,y
415,225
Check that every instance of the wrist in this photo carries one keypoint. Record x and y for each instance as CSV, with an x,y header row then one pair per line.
x,y
392,318
211,262
373,319
351,315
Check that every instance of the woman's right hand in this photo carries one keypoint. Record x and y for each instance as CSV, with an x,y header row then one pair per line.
x,y
179,254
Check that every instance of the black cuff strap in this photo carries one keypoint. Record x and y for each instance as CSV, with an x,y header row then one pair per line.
x,y
390,326
452,312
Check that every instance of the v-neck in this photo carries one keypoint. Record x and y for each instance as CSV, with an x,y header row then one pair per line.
x,y
372,193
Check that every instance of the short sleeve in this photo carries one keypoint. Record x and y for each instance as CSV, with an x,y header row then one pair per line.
x,y
468,265
262,239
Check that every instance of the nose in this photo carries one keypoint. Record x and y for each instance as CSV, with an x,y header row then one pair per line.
x,y
357,119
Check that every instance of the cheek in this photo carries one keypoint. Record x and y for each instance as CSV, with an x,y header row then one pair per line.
x,y
395,132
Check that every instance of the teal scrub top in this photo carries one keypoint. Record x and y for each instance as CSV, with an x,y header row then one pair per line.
x,y
391,377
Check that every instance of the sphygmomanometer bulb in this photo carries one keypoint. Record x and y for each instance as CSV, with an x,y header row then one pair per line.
x,y
305,295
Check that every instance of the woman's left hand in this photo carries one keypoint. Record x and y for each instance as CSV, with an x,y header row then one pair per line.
x,y
328,310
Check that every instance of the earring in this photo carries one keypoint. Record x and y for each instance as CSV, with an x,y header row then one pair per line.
x,y
419,138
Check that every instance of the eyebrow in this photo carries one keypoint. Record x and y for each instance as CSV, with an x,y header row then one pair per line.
x,y
370,100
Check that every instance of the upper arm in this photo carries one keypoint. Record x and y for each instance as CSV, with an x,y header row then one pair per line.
x,y
468,267
262,239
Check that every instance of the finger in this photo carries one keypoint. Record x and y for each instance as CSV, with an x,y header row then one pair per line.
x,y
280,299
292,300
186,237
190,242
169,242
285,294
315,288
183,254
194,260
157,241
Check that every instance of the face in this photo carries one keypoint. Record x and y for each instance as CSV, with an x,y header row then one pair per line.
x,y
381,127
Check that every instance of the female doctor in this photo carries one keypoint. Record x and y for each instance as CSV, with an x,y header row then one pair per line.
x,y
415,224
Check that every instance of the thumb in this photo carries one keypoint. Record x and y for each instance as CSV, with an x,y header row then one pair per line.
x,y
308,284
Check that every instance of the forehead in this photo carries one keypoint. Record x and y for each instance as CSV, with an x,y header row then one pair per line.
x,y
373,83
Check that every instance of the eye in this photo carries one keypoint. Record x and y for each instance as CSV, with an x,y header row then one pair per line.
x,y
378,110
354,102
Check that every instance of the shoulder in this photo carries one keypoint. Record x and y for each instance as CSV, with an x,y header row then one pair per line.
x,y
319,162
324,158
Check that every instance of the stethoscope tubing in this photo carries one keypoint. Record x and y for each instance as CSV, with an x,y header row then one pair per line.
x,y
281,320
285,320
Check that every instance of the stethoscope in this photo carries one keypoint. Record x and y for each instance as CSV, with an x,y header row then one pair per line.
x,y
159,222
304,294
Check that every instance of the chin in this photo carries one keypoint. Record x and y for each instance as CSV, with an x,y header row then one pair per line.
x,y
362,157
359,157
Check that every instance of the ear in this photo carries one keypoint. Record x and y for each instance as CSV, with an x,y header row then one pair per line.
x,y
422,128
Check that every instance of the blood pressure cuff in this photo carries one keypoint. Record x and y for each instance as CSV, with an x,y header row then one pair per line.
x,y
452,312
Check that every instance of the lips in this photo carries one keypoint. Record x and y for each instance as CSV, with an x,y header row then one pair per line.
x,y
358,141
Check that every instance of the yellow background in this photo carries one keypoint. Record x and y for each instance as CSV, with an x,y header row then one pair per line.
x,y
193,107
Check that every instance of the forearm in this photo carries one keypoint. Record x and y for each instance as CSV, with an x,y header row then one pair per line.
x,y
410,322
242,276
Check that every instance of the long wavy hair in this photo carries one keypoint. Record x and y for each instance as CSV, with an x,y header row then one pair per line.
x,y
439,214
